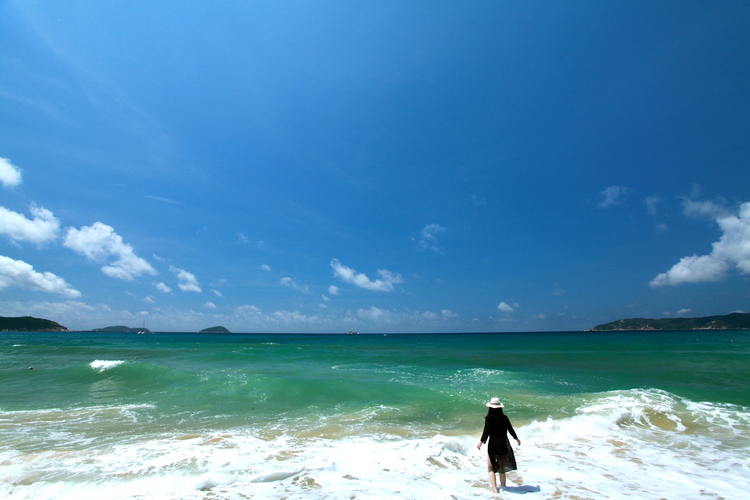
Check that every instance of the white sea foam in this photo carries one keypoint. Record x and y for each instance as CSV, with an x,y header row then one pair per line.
x,y
101,365
639,444
629,444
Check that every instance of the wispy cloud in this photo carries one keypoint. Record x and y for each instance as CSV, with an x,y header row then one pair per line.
x,y
287,281
19,273
295,318
165,200
163,288
732,249
428,237
187,282
42,228
479,201
10,175
705,208
99,242
613,195
248,310
387,317
349,275
652,204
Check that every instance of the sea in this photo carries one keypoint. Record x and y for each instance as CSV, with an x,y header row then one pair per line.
x,y
86,415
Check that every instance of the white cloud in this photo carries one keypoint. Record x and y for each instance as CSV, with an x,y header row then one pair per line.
x,y
333,290
385,317
683,311
613,195
693,269
19,273
732,249
349,275
241,236
504,307
162,287
372,314
247,311
428,237
295,317
187,282
209,305
217,293
10,175
42,228
99,242
287,281
265,267
448,314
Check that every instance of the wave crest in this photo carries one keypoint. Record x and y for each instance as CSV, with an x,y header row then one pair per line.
x,y
102,365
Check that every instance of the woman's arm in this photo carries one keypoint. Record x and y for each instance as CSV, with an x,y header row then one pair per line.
x,y
511,431
485,434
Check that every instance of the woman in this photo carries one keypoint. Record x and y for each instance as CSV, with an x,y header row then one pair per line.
x,y
500,456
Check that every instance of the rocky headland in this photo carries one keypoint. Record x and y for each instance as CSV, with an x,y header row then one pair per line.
x,y
733,321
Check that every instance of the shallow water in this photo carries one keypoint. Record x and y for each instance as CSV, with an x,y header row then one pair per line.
x,y
191,416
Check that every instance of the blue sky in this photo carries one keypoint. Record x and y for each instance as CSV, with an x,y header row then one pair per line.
x,y
373,166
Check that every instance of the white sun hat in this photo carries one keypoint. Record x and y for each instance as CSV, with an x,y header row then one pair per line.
x,y
495,403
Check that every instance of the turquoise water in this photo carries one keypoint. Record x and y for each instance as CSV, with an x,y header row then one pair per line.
x,y
171,415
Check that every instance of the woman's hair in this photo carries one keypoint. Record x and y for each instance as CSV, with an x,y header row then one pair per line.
x,y
495,412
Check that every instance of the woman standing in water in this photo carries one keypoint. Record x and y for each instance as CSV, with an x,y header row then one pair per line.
x,y
500,457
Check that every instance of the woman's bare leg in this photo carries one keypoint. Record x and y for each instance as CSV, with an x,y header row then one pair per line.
x,y
502,480
491,473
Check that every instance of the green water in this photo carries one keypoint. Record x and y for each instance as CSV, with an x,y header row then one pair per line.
x,y
435,375
153,416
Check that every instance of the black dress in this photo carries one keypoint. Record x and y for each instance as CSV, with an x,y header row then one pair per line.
x,y
496,428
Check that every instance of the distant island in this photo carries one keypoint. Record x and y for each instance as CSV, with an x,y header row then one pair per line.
x,y
733,321
215,329
121,329
29,324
